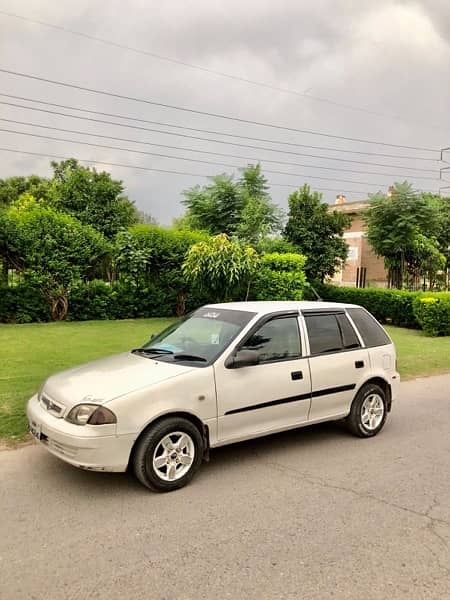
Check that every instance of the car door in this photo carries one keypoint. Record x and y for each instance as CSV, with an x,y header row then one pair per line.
x,y
338,363
268,396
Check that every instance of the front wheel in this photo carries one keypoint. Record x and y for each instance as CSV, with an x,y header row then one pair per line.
x,y
168,454
368,412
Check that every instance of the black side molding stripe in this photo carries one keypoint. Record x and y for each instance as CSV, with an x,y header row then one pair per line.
x,y
271,403
334,390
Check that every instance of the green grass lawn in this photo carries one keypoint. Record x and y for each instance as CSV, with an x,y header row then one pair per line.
x,y
419,355
29,353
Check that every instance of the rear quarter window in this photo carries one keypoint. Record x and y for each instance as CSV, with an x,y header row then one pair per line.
x,y
370,330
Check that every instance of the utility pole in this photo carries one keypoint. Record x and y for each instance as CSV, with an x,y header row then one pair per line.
x,y
445,187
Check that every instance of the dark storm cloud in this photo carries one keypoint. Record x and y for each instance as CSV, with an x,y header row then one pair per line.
x,y
390,57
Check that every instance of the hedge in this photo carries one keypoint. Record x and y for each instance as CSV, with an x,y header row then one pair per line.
x,y
23,304
388,306
396,307
280,277
100,300
433,314
97,300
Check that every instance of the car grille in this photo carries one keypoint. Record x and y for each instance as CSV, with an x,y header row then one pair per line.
x,y
52,406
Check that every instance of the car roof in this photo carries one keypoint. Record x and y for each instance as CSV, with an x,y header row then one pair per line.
x,y
264,307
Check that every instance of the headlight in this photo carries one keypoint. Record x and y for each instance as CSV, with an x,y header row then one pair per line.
x,y
91,414
41,389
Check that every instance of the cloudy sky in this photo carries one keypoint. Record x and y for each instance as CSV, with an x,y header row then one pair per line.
x,y
362,69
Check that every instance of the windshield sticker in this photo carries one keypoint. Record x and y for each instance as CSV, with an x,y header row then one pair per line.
x,y
211,315
215,338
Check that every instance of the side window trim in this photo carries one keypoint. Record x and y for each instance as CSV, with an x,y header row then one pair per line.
x,y
306,350
344,347
355,329
263,321
329,312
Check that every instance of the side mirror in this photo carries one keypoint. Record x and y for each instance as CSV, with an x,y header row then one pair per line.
x,y
242,358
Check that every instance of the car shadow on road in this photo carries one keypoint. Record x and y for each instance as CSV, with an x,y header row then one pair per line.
x,y
322,437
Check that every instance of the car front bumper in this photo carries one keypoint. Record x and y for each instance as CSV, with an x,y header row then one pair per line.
x,y
94,447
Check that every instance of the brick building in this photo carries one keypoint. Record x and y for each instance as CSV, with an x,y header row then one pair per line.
x,y
362,267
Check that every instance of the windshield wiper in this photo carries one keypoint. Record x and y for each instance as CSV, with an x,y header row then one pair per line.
x,y
151,351
192,357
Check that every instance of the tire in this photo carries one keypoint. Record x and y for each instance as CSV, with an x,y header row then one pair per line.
x,y
168,454
368,412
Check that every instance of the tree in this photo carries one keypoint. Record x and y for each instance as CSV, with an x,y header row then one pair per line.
x,y
13,187
148,255
93,198
51,249
259,216
145,218
214,208
220,266
402,229
425,260
240,208
443,233
316,232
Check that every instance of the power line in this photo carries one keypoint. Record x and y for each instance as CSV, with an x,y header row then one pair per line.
x,y
193,137
212,71
207,152
209,114
46,137
140,168
209,131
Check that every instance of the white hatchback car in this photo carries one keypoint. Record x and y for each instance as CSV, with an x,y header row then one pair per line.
x,y
225,373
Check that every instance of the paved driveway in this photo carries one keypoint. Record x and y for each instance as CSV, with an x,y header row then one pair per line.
x,y
310,514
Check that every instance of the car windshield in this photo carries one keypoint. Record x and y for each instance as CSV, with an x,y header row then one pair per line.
x,y
198,338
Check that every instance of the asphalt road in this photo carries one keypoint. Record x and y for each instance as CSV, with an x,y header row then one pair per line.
x,y
308,514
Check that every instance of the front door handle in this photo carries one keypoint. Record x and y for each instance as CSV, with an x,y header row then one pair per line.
x,y
359,364
296,375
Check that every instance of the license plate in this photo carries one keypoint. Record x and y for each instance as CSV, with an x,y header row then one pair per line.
x,y
35,430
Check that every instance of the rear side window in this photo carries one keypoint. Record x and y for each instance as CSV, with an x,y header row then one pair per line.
x,y
370,330
349,337
330,333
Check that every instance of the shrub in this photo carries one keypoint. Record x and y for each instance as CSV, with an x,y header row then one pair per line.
x,y
23,304
396,307
89,301
433,313
280,277
126,300
388,306
220,267
279,245
52,250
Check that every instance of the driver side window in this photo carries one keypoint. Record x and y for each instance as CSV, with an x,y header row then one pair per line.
x,y
276,340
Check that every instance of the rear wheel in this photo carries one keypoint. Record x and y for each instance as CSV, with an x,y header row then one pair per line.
x,y
369,410
168,454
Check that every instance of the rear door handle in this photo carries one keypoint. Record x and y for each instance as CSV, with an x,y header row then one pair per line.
x,y
296,375
359,364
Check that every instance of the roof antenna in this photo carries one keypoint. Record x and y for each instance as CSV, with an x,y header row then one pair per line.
x,y
318,298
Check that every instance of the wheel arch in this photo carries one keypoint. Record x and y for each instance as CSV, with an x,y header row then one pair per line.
x,y
201,426
384,385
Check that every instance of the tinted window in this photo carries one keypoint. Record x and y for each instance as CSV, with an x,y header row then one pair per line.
x,y
349,337
277,339
324,333
370,330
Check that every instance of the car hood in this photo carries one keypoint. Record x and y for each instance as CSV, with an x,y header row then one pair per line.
x,y
108,378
